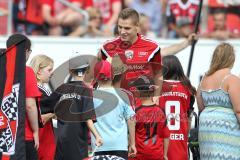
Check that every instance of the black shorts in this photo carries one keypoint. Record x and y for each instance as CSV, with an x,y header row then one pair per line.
x,y
31,152
123,154
70,150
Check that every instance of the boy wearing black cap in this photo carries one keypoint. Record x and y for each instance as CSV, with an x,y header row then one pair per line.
x,y
150,122
75,113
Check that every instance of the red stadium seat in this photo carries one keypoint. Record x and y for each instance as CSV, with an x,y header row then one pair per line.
x,y
233,21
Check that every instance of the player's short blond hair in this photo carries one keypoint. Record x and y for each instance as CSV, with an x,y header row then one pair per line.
x,y
129,13
223,57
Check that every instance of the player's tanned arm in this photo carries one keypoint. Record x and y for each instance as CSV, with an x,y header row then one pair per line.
x,y
175,48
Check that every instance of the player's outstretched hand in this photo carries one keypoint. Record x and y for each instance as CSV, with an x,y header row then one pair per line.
x,y
99,141
192,37
132,151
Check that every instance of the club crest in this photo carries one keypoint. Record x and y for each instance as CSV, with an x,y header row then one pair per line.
x,y
129,54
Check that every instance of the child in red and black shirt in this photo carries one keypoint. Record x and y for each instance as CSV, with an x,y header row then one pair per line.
x,y
151,128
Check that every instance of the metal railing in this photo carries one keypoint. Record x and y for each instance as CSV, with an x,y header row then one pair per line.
x,y
70,5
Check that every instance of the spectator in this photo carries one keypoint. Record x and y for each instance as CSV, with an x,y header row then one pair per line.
x,y
145,26
150,8
218,103
220,30
181,16
17,24
32,92
51,25
70,19
177,99
109,10
27,17
232,11
113,117
95,26
43,68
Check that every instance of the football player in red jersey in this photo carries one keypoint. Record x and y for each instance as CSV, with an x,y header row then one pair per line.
x,y
151,127
136,50
177,98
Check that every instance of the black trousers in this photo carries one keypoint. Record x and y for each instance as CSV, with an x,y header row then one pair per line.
x,y
31,152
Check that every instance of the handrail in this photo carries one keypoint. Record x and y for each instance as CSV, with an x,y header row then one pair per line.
x,y
10,17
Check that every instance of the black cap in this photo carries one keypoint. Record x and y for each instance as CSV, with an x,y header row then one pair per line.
x,y
143,83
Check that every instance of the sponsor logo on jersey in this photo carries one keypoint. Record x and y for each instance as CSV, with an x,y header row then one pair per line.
x,y
142,54
135,67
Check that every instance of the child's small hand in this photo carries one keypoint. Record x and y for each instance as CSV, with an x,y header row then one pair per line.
x,y
165,158
99,141
132,151
155,99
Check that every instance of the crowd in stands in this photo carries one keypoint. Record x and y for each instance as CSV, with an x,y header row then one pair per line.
x,y
159,18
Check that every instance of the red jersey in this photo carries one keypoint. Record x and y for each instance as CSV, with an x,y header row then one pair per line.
x,y
175,99
150,130
49,3
136,56
31,92
182,14
31,12
82,3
